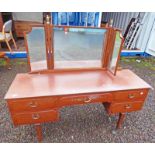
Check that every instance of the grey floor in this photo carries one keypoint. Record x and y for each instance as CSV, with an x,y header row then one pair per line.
x,y
86,123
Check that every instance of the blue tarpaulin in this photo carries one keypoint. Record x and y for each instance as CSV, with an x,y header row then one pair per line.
x,y
76,18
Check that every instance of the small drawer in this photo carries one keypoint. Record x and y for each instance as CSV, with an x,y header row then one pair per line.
x,y
125,107
31,105
81,99
132,95
21,26
19,34
35,117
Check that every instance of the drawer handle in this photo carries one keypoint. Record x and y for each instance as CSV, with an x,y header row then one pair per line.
x,y
131,96
127,106
141,93
87,100
35,116
33,105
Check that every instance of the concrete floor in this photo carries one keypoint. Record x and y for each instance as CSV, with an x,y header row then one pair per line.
x,y
87,123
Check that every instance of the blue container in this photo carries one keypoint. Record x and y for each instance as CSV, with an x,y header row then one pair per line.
x,y
75,18
54,18
91,19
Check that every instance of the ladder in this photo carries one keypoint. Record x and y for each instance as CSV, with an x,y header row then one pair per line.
x,y
134,31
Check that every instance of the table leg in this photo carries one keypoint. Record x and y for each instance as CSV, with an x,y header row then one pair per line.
x,y
39,132
7,62
120,120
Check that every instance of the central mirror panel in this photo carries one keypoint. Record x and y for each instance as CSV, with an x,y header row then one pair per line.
x,y
78,47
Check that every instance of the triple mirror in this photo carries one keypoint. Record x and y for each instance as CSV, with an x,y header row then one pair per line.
x,y
72,47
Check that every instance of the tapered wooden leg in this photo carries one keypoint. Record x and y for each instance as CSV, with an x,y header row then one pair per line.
x,y
7,62
8,45
120,120
39,132
14,43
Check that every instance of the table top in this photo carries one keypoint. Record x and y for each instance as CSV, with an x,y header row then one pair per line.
x,y
27,85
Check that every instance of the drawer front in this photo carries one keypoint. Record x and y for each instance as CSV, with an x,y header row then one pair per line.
x,y
35,117
24,25
126,107
20,31
19,106
21,26
133,95
19,34
81,99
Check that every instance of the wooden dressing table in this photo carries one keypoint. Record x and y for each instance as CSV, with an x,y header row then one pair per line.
x,y
36,97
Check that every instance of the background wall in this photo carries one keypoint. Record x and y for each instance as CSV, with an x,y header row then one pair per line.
x,y
120,19
28,16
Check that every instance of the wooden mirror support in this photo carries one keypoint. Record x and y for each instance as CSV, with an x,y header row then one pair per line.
x,y
115,54
97,43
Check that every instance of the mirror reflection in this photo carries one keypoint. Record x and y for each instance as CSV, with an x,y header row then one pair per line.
x,y
115,53
79,47
37,48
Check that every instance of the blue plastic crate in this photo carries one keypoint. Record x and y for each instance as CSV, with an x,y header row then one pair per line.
x,y
135,53
20,54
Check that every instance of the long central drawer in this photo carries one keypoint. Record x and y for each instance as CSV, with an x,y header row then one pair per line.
x,y
82,99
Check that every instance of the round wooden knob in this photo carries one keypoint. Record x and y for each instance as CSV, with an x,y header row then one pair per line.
x,y
131,96
33,105
87,100
127,106
35,116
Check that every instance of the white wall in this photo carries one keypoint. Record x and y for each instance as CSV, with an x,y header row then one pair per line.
x,y
28,16
146,31
122,19
150,48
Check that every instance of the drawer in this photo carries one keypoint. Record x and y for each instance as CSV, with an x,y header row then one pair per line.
x,y
30,105
81,99
21,26
19,34
132,95
35,117
125,107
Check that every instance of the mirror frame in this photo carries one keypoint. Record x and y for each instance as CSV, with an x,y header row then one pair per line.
x,y
30,27
119,52
107,47
104,44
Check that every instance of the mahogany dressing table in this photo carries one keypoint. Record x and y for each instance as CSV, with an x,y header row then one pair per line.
x,y
73,65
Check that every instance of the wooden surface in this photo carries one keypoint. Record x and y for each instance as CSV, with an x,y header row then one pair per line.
x,y
1,22
42,65
37,98
2,54
21,26
74,82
